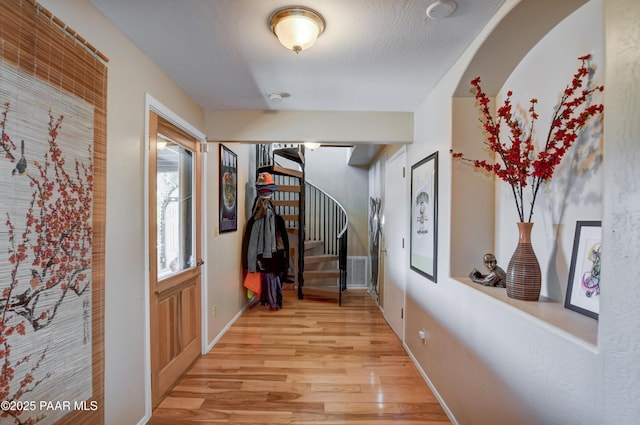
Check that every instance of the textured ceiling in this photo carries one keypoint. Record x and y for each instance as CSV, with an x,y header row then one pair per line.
x,y
375,55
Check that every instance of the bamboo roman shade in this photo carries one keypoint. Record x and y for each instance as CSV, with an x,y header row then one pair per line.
x,y
53,88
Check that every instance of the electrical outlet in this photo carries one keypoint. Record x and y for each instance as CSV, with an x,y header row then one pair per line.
x,y
423,336
214,309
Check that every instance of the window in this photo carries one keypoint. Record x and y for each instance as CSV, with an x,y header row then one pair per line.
x,y
175,182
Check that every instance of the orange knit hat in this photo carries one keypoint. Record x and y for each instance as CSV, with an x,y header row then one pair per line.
x,y
264,179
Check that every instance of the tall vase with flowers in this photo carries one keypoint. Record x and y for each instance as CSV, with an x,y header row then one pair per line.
x,y
519,163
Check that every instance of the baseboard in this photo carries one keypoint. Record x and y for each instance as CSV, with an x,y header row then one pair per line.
x,y
226,328
431,386
422,373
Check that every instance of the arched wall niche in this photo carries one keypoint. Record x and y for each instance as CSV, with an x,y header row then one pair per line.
x,y
524,26
473,206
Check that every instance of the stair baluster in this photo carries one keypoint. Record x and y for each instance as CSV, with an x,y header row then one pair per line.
x,y
321,220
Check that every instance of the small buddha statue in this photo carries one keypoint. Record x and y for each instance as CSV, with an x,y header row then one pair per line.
x,y
496,276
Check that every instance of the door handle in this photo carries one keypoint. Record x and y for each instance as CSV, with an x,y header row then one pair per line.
x,y
199,262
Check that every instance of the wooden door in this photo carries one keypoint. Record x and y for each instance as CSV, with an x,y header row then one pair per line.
x,y
175,253
394,241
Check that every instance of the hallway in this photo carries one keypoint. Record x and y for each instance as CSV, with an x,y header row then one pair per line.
x,y
310,363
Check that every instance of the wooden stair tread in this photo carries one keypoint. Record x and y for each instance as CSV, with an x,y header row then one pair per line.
x,y
312,244
321,291
290,217
289,188
286,202
317,259
276,169
321,274
293,154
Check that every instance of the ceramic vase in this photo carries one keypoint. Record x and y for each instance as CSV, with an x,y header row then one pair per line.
x,y
523,273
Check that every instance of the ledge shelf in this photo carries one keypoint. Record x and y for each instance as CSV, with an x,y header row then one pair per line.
x,y
547,313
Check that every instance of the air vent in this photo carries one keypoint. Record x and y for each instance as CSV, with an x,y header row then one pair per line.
x,y
357,272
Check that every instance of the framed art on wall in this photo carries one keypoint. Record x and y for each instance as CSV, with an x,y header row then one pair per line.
x,y
583,289
228,190
424,217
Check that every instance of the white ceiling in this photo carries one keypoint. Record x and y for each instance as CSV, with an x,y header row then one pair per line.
x,y
375,55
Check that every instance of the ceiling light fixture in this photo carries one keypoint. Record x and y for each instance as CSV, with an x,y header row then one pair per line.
x,y
297,28
312,145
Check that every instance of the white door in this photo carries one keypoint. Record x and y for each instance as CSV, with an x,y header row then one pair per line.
x,y
394,241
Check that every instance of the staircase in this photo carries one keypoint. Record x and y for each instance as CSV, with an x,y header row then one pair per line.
x,y
315,219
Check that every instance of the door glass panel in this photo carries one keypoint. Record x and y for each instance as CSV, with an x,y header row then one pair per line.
x,y
175,220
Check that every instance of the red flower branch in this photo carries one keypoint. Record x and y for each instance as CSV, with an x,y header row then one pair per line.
x,y
53,250
517,162
58,235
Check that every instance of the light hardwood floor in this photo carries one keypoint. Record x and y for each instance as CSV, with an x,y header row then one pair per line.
x,y
310,363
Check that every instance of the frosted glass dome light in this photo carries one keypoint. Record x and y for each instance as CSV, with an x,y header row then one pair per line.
x,y
297,28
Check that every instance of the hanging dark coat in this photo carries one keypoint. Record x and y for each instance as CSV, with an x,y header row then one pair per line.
x,y
276,261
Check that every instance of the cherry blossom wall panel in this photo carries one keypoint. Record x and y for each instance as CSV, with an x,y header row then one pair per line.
x,y
52,173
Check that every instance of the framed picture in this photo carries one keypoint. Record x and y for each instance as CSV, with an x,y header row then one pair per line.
x,y
583,289
424,217
228,190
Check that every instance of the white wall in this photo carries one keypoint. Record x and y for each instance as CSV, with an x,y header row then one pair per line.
x,y
310,126
619,339
130,75
488,361
327,168
225,293
474,191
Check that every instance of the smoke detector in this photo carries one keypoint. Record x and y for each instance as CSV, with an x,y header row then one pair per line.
x,y
278,96
441,9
